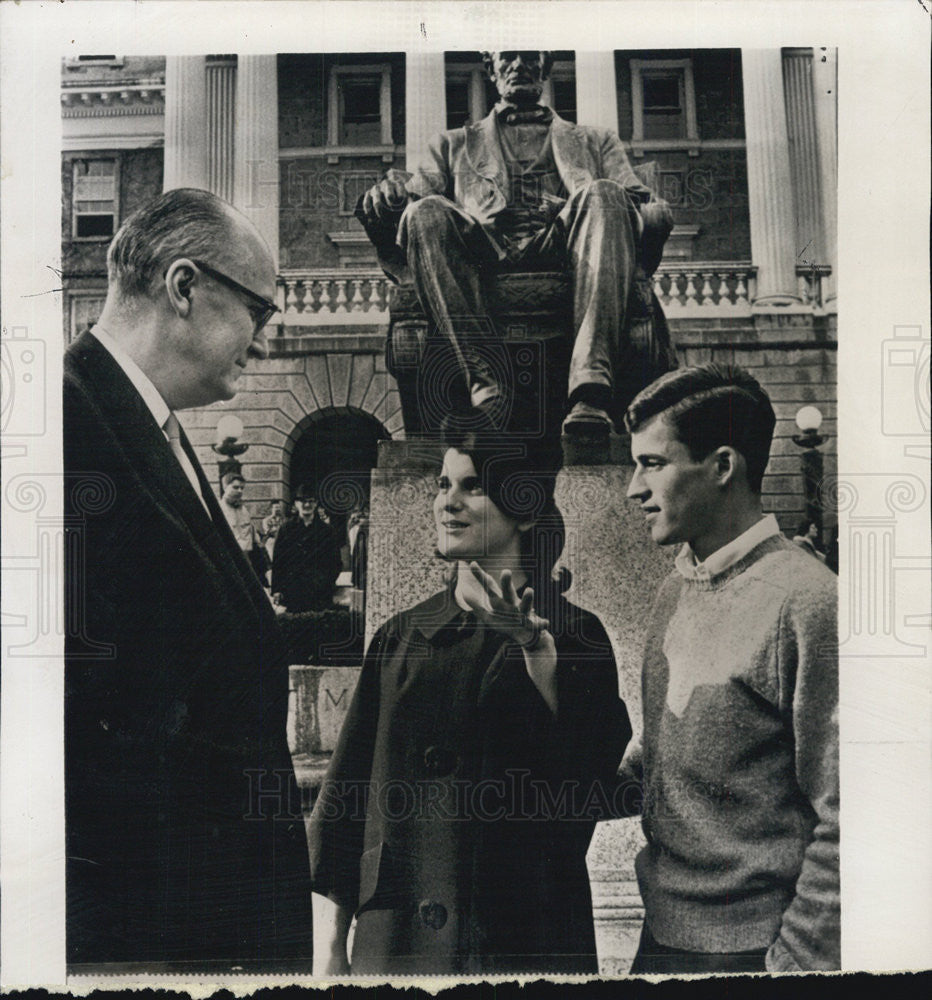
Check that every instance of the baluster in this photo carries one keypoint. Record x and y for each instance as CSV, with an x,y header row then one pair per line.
x,y
291,297
707,293
382,284
690,290
741,289
318,293
340,302
356,303
658,286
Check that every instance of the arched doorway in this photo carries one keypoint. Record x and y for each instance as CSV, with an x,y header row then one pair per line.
x,y
334,452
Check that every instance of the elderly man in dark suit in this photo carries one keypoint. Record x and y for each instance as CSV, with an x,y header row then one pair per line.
x,y
523,189
183,822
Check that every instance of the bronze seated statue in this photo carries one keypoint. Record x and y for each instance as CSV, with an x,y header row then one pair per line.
x,y
522,249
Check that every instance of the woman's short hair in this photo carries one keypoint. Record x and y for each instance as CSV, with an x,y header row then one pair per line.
x,y
709,406
184,222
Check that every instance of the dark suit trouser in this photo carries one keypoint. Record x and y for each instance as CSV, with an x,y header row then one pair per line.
x,y
594,234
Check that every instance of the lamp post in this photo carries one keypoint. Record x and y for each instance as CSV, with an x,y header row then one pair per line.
x,y
809,420
229,431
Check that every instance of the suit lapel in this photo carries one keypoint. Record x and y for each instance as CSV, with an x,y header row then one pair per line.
x,y
150,456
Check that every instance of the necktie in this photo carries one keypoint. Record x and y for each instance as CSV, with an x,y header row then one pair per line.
x,y
173,432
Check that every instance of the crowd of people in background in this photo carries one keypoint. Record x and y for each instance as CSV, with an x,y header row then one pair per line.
x,y
297,552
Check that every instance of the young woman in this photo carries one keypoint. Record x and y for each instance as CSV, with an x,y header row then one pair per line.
x,y
480,747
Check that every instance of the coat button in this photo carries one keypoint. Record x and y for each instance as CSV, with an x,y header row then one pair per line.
x,y
432,914
440,762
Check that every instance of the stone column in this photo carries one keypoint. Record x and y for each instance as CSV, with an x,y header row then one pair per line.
x,y
256,176
825,91
804,157
425,102
185,122
221,110
770,192
596,89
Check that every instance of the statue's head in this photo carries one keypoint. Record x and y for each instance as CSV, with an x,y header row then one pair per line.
x,y
518,76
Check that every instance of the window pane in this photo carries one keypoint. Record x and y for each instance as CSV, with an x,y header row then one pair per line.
x,y
662,94
457,102
564,99
85,312
94,225
361,109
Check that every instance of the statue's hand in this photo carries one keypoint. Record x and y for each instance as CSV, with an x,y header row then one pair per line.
x,y
657,217
388,197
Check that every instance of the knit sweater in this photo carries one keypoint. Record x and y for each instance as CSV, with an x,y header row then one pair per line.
x,y
740,761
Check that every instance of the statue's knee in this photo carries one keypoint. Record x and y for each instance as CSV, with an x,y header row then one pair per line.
x,y
605,195
426,214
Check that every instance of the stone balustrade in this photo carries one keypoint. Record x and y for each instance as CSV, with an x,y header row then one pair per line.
x,y
684,288
714,288
333,296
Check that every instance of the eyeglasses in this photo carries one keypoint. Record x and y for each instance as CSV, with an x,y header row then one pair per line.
x,y
260,308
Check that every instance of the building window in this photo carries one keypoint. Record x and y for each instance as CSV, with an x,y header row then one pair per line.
x,y
563,101
85,311
360,106
470,93
94,201
663,100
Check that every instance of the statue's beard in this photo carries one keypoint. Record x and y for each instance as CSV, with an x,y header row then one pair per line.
x,y
521,93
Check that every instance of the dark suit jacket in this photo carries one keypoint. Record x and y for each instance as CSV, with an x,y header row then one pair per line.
x,y
457,810
184,832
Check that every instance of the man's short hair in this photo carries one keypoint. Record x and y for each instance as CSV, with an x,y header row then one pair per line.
x,y
709,406
546,59
184,222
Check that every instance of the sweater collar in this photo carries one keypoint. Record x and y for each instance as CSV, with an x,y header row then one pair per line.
x,y
724,558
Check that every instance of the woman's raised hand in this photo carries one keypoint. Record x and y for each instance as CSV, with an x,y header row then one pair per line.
x,y
503,610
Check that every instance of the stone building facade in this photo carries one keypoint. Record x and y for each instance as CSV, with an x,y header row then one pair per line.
x,y
744,143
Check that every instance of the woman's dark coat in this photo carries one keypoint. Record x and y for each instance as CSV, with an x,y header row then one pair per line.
x,y
457,810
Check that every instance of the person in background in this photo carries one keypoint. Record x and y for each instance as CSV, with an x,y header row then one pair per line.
x,y
357,530
271,524
739,756
240,521
807,538
307,557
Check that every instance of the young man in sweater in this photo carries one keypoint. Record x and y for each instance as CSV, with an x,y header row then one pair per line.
x,y
739,757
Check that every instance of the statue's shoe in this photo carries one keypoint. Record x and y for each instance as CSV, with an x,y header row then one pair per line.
x,y
588,420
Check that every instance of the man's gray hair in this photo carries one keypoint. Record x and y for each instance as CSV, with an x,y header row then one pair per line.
x,y
184,222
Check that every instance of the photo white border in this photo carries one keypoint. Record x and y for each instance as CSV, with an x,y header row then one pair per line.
x,y
883,283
